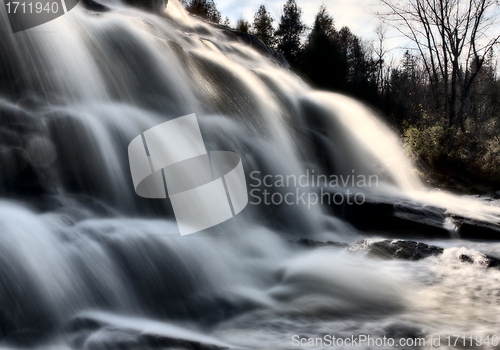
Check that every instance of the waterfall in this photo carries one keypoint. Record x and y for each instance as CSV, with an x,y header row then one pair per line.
x,y
75,236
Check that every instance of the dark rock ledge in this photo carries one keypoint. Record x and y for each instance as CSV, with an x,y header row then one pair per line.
x,y
397,249
399,218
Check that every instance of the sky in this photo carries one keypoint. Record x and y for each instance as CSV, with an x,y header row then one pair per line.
x,y
358,15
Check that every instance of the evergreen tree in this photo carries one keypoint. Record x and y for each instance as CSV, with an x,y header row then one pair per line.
x,y
322,61
243,25
206,9
263,26
409,64
361,68
323,24
290,31
227,22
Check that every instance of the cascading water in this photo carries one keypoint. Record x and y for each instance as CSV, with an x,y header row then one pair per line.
x,y
76,240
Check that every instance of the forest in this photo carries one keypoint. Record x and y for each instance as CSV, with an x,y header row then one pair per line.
x,y
442,96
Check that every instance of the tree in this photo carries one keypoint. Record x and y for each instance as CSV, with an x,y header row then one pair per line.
x,y
290,31
322,61
361,68
410,93
263,26
206,9
227,22
323,23
451,37
242,25
380,52
338,60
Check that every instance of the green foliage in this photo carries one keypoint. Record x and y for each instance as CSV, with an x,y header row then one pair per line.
x,y
491,163
263,26
471,153
425,143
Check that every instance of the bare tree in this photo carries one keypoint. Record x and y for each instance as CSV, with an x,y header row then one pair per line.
x,y
453,38
380,52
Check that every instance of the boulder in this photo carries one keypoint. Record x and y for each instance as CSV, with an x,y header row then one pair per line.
x,y
397,249
489,261
412,250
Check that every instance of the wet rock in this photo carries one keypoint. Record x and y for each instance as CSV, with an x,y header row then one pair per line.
x,y
475,229
17,176
489,261
411,250
394,219
95,6
492,262
310,243
397,249
150,5
466,258
402,331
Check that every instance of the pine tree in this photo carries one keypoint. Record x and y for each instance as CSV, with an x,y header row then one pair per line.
x,y
227,22
290,31
323,24
263,26
243,25
409,64
322,61
206,9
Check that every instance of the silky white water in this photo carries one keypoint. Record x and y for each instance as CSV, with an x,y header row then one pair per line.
x,y
76,240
